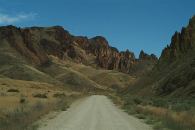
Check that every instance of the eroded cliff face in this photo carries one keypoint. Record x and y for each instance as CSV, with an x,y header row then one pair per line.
x,y
181,43
37,43
110,58
174,73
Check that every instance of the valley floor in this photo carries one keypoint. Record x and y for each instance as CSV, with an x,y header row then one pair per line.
x,y
93,113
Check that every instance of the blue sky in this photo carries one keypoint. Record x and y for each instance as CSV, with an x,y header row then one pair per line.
x,y
127,24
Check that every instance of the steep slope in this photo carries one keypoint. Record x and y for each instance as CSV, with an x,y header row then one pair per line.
x,y
15,66
174,74
62,71
180,59
110,79
21,62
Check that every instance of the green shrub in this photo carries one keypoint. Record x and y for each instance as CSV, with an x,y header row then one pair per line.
x,y
137,101
22,100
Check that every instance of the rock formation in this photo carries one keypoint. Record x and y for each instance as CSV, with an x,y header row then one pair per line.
x,y
37,43
181,43
175,70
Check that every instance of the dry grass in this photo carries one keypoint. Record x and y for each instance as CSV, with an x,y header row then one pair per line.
x,y
108,79
23,116
20,118
162,113
18,110
173,120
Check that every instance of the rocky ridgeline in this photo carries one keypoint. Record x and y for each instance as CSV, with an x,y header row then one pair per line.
x,y
37,43
175,71
181,43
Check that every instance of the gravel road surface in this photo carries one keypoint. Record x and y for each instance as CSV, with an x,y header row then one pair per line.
x,y
93,113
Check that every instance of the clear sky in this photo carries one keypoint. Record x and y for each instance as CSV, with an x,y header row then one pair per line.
x,y
127,24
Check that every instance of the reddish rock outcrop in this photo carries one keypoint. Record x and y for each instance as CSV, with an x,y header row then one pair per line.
x,y
36,43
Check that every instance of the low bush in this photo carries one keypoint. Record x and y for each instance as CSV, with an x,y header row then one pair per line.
x,y
59,95
13,90
62,104
22,100
39,95
137,101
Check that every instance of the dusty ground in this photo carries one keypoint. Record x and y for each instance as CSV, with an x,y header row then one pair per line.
x,y
93,113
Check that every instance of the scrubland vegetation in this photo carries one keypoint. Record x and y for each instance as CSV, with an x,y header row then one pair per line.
x,y
163,113
25,102
24,115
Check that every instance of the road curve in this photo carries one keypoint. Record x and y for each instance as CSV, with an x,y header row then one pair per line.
x,y
94,113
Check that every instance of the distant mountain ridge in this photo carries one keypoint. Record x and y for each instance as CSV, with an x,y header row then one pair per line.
x,y
42,53
36,43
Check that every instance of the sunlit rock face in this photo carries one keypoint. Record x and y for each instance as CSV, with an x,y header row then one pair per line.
x,y
37,43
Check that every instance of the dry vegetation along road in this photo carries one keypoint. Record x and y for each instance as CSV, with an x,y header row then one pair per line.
x,y
93,113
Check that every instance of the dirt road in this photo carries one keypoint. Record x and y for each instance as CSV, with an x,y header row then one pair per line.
x,y
94,113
